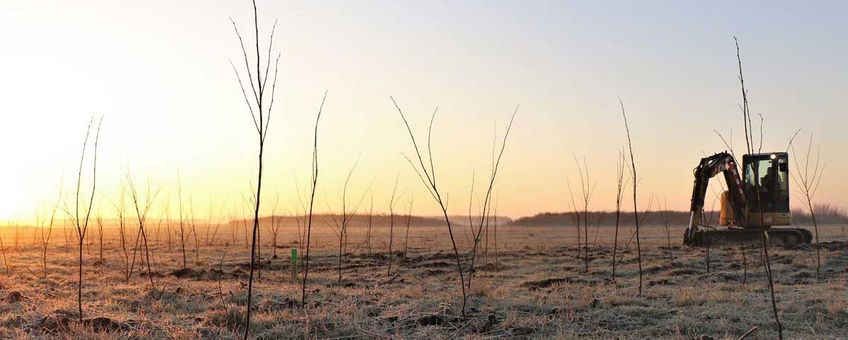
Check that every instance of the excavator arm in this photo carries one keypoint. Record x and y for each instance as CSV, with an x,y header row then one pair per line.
x,y
708,168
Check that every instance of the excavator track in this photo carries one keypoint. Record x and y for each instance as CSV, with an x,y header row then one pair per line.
x,y
788,237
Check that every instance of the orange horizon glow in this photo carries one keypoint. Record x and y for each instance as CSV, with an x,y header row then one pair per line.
x,y
173,115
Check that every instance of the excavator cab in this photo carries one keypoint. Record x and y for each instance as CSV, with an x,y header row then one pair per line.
x,y
766,185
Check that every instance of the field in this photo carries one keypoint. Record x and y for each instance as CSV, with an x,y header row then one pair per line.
x,y
531,286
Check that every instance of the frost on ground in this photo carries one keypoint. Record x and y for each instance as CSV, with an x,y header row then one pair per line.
x,y
531,286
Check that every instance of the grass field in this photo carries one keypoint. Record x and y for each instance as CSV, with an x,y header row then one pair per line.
x,y
533,286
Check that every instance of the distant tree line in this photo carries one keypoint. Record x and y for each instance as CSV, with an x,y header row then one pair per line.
x,y
825,213
377,219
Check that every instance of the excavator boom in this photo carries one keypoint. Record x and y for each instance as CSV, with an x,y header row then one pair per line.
x,y
708,168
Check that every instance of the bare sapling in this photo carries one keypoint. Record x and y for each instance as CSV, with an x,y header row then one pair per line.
x,y
407,221
135,252
215,221
157,232
100,240
710,218
192,223
167,211
428,177
471,223
227,248
89,245
576,218
728,143
749,142
495,223
633,178
142,207
807,181
212,225
301,228
275,226
206,231
234,222
314,183
258,245
587,188
486,205
13,248
342,223
260,107
370,222
299,218
162,226
182,225
81,221
642,218
253,242
46,232
664,218
38,225
598,222
120,215
486,228
392,224
245,226
17,238
66,233
6,262
620,182
486,220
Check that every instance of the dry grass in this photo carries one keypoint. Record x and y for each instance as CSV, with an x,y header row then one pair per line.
x,y
537,290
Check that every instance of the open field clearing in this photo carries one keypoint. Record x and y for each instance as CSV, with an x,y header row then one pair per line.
x,y
435,170
532,286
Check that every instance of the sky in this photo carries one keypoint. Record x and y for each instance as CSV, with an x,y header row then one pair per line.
x,y
159,74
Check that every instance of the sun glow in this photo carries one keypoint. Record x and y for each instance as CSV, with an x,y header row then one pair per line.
x,y
171,104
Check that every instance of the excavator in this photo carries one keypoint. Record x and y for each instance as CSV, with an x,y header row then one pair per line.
x,y
753,203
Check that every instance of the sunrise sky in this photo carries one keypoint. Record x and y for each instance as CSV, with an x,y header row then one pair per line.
x,y
158,71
